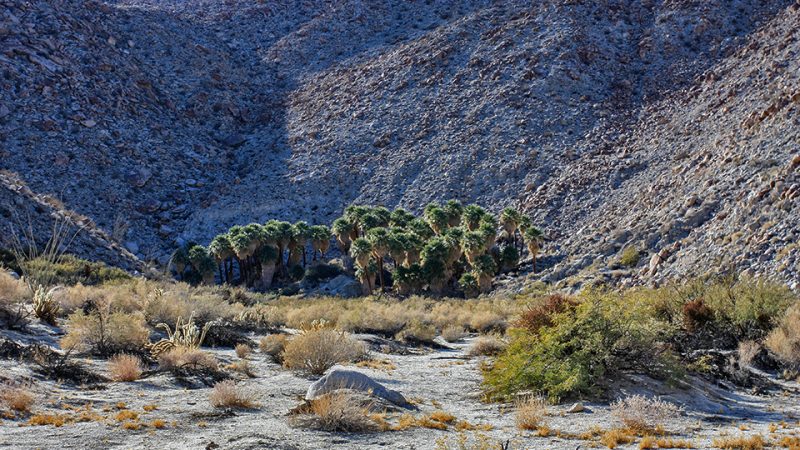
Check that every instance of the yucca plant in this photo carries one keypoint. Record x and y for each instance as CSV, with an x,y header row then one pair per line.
x,y
186,334
45,307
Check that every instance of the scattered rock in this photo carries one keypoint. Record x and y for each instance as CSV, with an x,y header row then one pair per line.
x,y
339,377
342,286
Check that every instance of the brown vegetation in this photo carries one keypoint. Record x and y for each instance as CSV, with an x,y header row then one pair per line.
x,y
316,351
227,394
125,367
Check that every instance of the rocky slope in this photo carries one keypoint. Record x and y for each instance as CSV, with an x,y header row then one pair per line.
x,y
615,123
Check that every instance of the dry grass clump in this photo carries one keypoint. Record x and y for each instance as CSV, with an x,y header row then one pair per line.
x,y
242,366
56,420
342,412
105,332
126,414
273,345
784,340
315,351
125,367
242,350
14,294
378,364
488,321
617,436
755,442
649,442
642,414
453,333
158,424
191,358
747,351
417,333
16,398
790,442
487,346
226,394
530,413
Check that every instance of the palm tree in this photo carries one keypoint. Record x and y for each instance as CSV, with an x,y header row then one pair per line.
x,y
453,238
180,259
342,228
436,218
434,266
221,249
473,244
361,251
471,217
453,209
488,228
408,279
268,256
353,215
301,233
508,258
379,238
400,218
485,268
283,235
413,247
397,243
510,219
240,243
203,263
320,240
421,228
534,239
469,284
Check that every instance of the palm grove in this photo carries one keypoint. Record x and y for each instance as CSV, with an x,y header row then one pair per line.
x,y
451,248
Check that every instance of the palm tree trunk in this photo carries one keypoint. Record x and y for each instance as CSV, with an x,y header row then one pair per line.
x,y
380,273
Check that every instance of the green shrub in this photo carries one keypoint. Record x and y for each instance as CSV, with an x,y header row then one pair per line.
x,y
586,344
630,257
70,270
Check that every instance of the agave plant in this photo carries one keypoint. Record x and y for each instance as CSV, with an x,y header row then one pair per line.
x,y
45,307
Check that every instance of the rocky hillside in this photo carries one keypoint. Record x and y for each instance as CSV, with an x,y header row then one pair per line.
x,y
667,125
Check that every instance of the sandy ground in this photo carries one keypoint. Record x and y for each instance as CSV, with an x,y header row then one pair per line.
x,y
437,379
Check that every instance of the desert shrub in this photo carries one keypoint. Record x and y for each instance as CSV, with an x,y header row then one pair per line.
x,y
305,314
243,367
125,367
488,321
273,345
755,442
318,350
602,335
372,317
242,350
629,257
784,340
696,315
321,271
14,294
227,394
487,346
643,414
531,412
453,333
417,332
339,412
69,270
541,311
260,317
16,398
191,358
103,332
747,352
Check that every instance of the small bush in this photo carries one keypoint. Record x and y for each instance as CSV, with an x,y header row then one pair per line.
x,y
125,367
182,357
16,398
531,412
696,315
243,367
242,350
488,321
13,296
226,394
273,345
784,340
69,270
417,333
629,257
45,307
318,350
615,437
102,332
453,333
487,346
643,414
321,271
340,412
541,312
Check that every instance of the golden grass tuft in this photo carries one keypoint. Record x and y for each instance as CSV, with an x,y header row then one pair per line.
x,y
316,351
377,364
124,367
226,394
16,398
126,414
784,340
56,420
755,442
243,367
453,333
342,412
442,416
187,357
530,413
649,442
613,438
242,350
487,346
150,408
158,424
644,415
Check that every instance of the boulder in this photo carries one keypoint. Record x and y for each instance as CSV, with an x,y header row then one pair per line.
x,y
342,286
339,377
